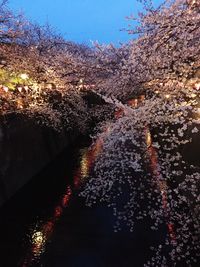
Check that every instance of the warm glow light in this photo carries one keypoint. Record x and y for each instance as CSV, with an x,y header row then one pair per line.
x,y
156,92
162,185
38,243
142,98
133,103
24,76
84,166
197,86
193,95
167,96
38,238
148,138
5,89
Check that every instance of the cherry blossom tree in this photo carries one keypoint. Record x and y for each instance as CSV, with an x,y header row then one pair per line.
x,y
166,47
10,25
37,64
142,172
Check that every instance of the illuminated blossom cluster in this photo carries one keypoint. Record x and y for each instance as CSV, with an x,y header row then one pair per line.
x,y
41,74
166,49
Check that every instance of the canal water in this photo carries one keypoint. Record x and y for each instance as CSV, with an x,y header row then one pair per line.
x,y
47,223
29,219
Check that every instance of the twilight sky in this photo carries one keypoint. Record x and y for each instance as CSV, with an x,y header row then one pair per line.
x,y
82,20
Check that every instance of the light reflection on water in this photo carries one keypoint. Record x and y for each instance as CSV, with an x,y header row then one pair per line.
x,y
41,233
155,170
38,242
88,158
160,182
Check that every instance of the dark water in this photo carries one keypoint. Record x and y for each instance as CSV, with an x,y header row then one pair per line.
x,y
29,219
47,224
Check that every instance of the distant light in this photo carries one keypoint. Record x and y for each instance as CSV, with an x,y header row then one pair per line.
x,y
142,97
5,88
85,165
19,89
148,138
133,102
193,95
167,96
24,76
156,92
197,86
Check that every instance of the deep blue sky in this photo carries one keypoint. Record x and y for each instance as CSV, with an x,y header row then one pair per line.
x,y
82,20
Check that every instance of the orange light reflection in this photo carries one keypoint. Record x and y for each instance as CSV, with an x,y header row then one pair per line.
x,y
86,163
42,235
88,158
161,184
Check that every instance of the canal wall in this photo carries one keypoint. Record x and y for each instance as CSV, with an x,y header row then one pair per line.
x,y
27,146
